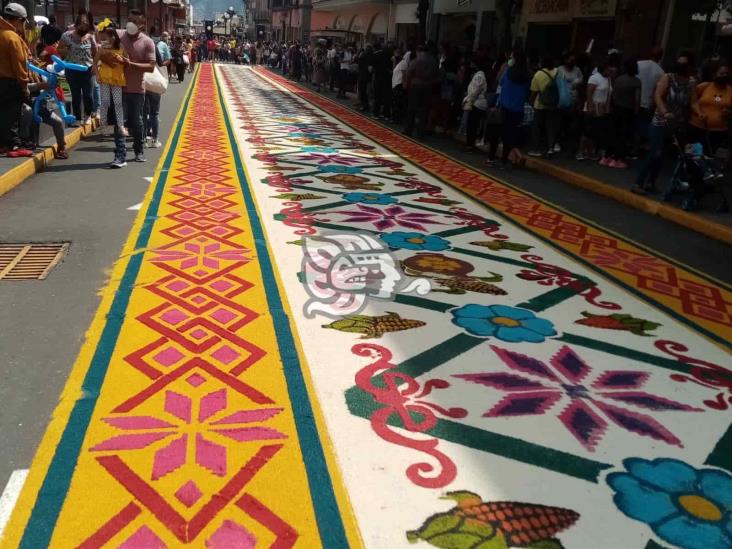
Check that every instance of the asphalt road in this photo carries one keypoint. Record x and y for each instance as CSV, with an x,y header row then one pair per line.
x,y
43,323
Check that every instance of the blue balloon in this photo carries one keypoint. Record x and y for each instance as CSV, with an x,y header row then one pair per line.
x,y
52,79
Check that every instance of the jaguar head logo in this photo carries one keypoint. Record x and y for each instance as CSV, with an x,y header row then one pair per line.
x,y
343,270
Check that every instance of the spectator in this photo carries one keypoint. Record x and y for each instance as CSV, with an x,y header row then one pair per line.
x,y
475,104
675,94
421,76
346,60
512,99
625,104
14,78
398,95
545,100
382,82
80,47
110,72
140,50
365,61
572,75
50,33
31,129
649,73
320,67
713,106
597,116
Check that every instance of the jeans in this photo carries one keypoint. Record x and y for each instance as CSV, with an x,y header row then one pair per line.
x,y
651,166
134,104
546,122
418,109
382,96
152,111
96,94
363,90
11,99
622,136
80,83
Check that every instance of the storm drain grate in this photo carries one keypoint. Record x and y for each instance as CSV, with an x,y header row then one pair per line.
x,y
29,261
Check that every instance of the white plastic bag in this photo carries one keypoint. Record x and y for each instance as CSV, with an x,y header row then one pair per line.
x,y
155,82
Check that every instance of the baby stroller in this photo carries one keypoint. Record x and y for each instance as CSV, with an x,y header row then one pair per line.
x,y
695,175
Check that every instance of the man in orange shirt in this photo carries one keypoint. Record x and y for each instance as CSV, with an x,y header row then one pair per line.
x,y
14,78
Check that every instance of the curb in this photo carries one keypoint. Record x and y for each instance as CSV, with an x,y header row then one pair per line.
x,y
673,214
38,162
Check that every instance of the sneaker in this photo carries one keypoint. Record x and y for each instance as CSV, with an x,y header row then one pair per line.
x,y
117,163
19,152
580,157
140,158
156,144
605,161
536,154
557,148
619,164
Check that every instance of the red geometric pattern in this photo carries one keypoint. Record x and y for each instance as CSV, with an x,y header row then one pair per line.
x,y
682,291
196,366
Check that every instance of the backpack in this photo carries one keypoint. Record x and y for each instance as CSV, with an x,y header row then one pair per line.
x,y
549,96
565,95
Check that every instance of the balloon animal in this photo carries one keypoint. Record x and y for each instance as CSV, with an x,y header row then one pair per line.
x,y
58,67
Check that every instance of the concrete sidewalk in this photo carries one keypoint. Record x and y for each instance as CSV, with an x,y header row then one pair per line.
x,y
13,171
616,184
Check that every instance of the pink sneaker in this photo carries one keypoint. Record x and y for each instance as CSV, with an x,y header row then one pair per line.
x,y
605,161
618,164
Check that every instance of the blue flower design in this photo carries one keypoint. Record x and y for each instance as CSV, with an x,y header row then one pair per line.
x,y
335,168
370,198
503,322
687,507
415,241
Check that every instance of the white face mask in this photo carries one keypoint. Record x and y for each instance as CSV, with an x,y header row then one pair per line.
x,y
131,28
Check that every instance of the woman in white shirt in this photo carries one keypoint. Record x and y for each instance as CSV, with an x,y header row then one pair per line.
x,y
597,115
475,103
346,59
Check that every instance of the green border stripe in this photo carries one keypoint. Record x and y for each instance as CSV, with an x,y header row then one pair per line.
x,y
55,487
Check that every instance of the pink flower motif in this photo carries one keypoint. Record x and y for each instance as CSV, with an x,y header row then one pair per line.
x,y
201,252
588,405
202,189
188,429
388,217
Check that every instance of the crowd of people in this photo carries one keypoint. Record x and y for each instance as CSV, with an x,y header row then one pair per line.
x,y
604,108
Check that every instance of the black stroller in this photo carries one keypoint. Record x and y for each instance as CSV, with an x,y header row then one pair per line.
x,y
696,175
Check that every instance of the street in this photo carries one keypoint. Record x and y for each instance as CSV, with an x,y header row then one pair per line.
x,y
502,361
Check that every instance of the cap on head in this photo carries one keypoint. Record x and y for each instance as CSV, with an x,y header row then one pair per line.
x,y
15,11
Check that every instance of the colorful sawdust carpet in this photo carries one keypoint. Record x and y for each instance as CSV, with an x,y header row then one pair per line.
x,y
558,387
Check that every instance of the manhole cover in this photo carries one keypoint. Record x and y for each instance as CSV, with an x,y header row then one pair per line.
x,y
29,261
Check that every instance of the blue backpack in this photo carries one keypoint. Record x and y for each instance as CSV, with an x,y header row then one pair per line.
x,y
565,94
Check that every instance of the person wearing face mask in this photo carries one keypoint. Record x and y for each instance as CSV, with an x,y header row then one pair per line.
x,y
713,105
14,78
674,97
79,46
140,58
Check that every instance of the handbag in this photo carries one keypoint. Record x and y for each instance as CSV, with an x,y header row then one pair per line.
x,y
155,82
186,61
